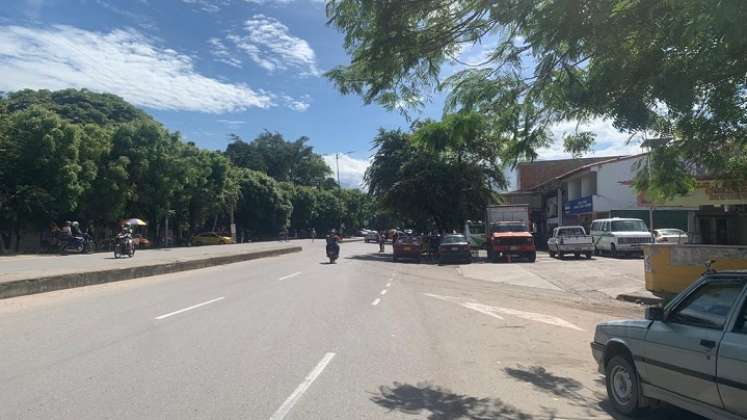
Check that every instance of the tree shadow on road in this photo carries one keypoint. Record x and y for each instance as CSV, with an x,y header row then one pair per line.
x,y
596,403
441,404
559,386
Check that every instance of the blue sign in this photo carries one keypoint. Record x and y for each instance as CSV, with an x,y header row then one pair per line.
x,y
579,205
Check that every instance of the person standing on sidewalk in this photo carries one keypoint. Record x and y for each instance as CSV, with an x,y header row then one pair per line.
x,y
382,240
313,234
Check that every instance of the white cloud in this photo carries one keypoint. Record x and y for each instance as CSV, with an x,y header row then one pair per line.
x,y
609,141
122,62
297,104
209,6
270,45
351,170
222,54
281,2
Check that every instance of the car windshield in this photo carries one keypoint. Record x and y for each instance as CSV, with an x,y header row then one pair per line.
x,y
571,231
454,239
408,240
509,227
629,226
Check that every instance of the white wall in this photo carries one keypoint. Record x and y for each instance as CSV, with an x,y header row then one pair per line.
x,y
614,186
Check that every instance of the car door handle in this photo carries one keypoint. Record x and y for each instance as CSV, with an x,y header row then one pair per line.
x,y
708,343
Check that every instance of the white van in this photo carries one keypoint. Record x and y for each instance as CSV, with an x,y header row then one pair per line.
x,y
618,236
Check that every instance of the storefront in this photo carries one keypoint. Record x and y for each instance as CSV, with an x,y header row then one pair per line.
x,y
721,215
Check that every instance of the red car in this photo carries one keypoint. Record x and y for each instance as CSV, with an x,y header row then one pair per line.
x,y
407,247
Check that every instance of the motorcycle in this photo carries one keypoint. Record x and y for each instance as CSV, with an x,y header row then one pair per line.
x,y
124,245
333,250
79,244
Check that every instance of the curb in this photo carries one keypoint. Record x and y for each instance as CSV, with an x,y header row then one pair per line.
x,y
644,300
69,281
351,240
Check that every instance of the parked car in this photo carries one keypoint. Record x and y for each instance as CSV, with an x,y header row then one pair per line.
x,y
371,236
570,240
618,236
669,235
407,247
210,238
692,353
511,239
454,248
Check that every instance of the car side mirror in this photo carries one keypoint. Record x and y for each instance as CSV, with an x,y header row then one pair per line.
x,y
655,313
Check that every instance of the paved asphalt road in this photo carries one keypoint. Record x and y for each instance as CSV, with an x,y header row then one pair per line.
x,y
292,337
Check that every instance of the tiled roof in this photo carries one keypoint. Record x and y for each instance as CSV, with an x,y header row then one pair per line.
x,y
532,174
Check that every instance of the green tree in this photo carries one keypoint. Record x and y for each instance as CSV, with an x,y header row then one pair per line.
x,y
264,207
41,179
435,175
672,70
287,161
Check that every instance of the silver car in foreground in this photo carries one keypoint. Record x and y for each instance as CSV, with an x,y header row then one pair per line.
x,y
692,353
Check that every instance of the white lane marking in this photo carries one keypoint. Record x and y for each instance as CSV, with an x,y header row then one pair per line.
x,y
389,284
189,308
494,310
483,309
383,292
299,391
375,302
289,276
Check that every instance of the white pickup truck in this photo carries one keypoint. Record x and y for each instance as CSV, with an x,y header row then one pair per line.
x,y
570,240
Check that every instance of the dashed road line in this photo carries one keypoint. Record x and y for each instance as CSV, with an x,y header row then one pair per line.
x,y
302,388
160,317
383,292
376,302
289,276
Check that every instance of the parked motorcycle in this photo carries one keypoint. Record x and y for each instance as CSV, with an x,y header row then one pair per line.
x,y
124,245
78,244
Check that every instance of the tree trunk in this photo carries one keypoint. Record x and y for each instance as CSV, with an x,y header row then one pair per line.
x,y
17,230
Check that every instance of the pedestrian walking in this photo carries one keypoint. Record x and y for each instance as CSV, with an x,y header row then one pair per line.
x,y
313,234
382,240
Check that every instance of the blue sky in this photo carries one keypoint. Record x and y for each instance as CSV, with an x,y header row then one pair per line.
x,y
208,68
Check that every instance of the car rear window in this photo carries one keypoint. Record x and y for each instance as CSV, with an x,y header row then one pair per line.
x,y
453,239
510,227
571,231
629,226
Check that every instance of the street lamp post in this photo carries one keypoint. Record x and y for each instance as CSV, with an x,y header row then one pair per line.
x,y
339,184
337,165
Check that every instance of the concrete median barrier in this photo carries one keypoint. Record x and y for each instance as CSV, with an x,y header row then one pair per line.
x,y
70,280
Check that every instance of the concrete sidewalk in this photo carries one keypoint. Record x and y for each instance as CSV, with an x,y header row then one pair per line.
x,y
28,274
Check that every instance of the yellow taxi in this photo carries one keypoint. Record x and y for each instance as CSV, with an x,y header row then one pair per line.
x,y
210,238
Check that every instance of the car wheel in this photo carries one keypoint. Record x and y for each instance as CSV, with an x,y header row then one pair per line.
x,y
623,386
561,255
596,251
613,251
576,255
532,257
468,260
552,254
394,258
588,255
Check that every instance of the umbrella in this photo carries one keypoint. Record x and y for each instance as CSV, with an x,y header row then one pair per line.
x,y
136,222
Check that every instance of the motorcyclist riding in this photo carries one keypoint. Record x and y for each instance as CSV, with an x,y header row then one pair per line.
x,y
333,247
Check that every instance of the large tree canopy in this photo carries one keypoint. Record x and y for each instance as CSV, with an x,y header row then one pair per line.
x,y
657,68
441,174
291,161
